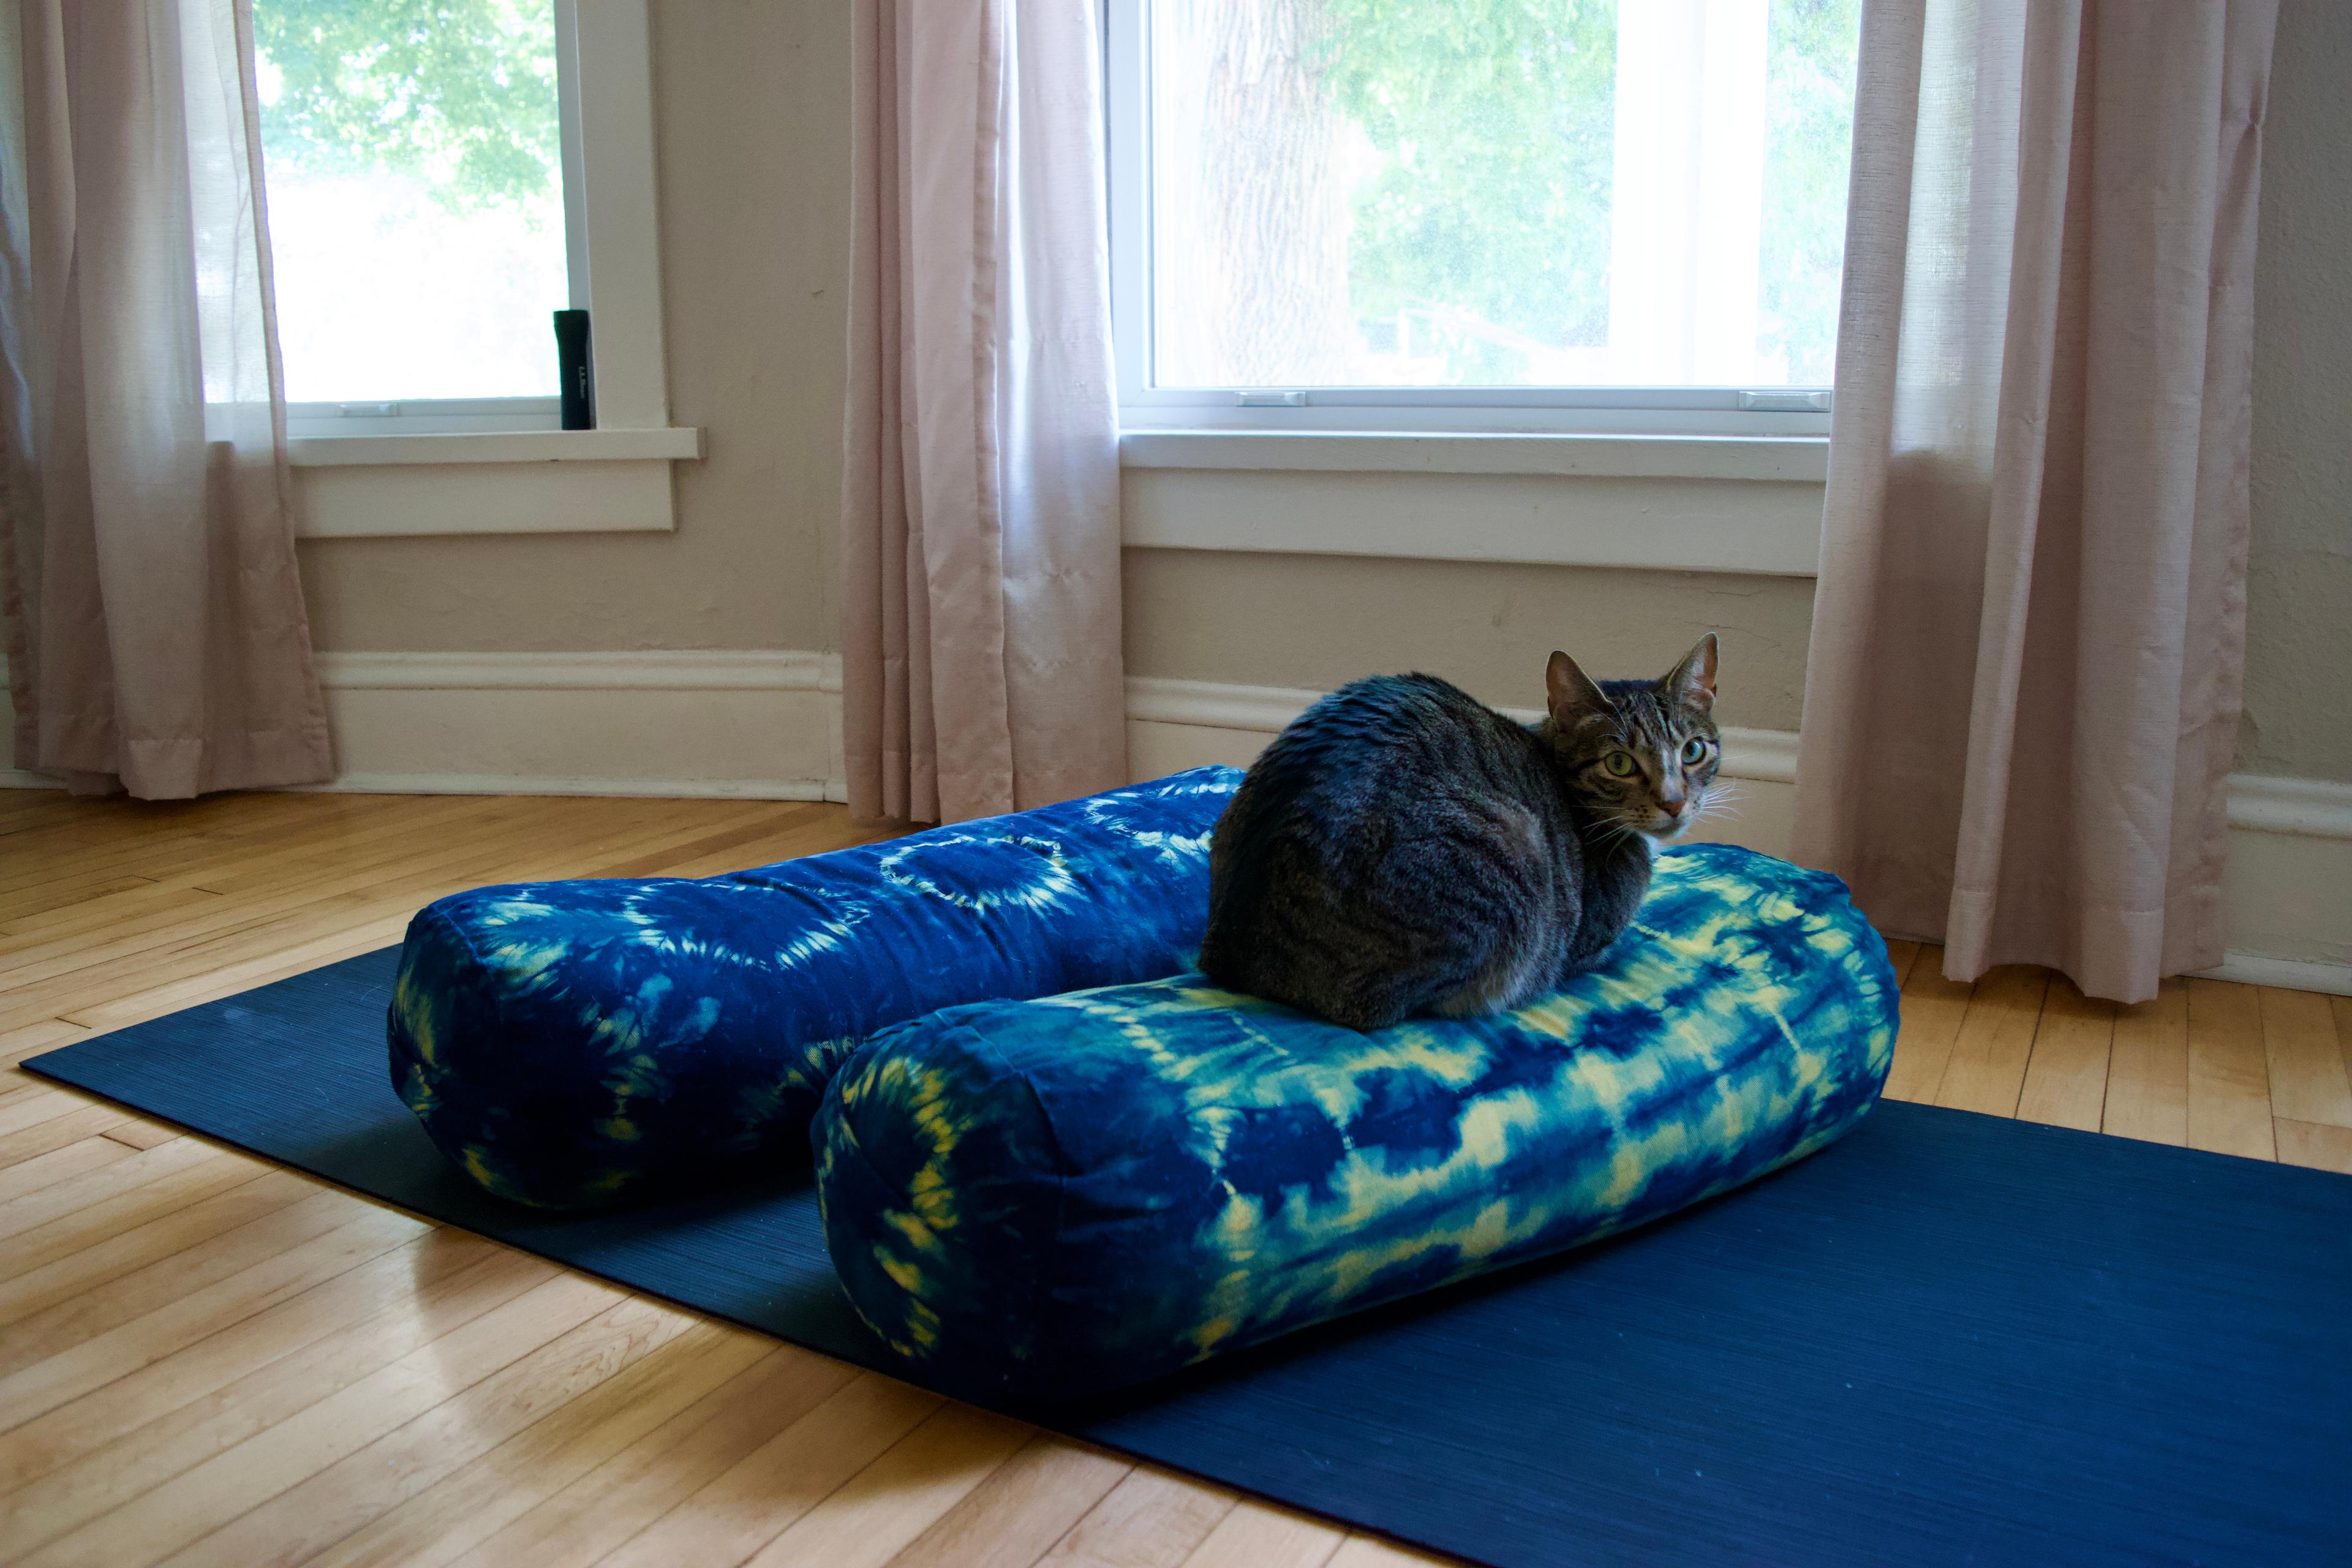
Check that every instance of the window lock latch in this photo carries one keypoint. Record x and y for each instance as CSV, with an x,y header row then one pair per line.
x,y
1785,402
1272,399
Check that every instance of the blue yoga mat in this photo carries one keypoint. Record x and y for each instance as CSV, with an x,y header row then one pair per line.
x,y
1946,1338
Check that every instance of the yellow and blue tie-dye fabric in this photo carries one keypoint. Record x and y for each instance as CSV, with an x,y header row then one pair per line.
x,y
574,1043
1046,1198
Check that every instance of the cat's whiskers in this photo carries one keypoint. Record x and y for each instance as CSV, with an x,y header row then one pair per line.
x,y
1718,801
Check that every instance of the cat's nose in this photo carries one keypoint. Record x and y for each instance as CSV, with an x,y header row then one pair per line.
x,y
1674,807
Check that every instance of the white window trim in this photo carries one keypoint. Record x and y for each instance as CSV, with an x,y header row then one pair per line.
x,y
1798,458
501,465
1687,432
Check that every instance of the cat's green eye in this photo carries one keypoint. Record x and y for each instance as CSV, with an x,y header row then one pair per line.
x,y
1620,764
1694,752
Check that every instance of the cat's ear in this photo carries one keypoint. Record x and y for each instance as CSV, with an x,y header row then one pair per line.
x,y
1692,682
1568,693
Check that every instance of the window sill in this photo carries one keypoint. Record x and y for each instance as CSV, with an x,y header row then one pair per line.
x,y
1740,504
494,447
1802,459
502,482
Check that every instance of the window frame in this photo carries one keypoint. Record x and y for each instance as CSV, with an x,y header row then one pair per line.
x,y
604,108
1708,412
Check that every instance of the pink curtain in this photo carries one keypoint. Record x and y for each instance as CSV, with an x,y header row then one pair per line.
x,y
2029,629
980,502
157,640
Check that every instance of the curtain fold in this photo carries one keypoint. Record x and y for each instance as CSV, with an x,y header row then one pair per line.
x,y
980,664
2024,680
157,637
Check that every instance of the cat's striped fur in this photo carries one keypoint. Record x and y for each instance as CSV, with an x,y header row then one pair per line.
x,y
1403,848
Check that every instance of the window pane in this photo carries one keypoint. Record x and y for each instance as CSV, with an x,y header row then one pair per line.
x,y
1514,193
415,194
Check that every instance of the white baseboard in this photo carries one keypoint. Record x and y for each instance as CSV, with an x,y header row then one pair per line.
x,y
766,724
539,783
749,724
2286,973
763,724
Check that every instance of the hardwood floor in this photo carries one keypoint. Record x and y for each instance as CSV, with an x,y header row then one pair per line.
x,y
208,1359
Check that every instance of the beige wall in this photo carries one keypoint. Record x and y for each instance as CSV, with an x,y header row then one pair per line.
x,y
751,114
751,124
1315,621
2299,578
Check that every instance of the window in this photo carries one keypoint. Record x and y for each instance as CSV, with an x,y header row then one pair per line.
x,y
416,156
1479,214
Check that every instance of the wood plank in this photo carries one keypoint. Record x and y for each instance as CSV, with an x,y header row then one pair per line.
x,y
205,1496
109,1195
1259,1535
138,1006
312,895
44,1384
256,957
880,1510
262,833
2066,1077
750,1504
1361,1550
2342,1007
732,848
41,1035
2307,1081
85,1121
38,1037
41,1104
141,1133
2229,1078
309,1509
87,1262
34,806
1015,1516
65,985
606,1508
424,824
460,1509
58,1166
1902,955
1152,1519
90,866
104,842
25,939
2148,1068
188,1508
300,1212
225,871
767,850
35,901
104,1450
300,883
2320,1145
1987,1070
1932,1008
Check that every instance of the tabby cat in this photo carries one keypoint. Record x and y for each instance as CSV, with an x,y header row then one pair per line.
x,y
1402,848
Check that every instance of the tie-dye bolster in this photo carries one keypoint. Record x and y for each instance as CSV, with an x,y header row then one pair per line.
x,y
570,1044
1040,1200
